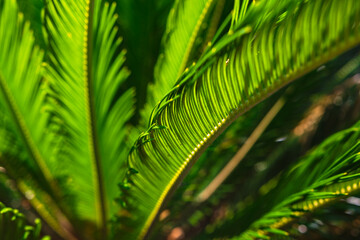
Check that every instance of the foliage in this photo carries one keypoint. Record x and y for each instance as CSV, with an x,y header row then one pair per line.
x,y
97,148
13,225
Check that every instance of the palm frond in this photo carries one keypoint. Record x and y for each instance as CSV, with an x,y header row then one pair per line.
x,y
26,141
263,161
334,173
112,116
183,27
86,72
22,108
13,226
255,59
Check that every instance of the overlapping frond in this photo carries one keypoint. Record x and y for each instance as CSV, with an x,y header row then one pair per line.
x,y
22,98
111,115
67,24
86,72
260,55
13,226
263,161
183,27
329,172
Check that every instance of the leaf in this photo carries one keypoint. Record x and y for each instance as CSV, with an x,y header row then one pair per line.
x,y
141,23
26,139
334,167
86,71
242,68
183,27
113,111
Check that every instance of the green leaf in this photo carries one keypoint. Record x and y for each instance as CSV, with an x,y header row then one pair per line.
x,y
261,55
86,71
112,111
334,167
183,27
27,142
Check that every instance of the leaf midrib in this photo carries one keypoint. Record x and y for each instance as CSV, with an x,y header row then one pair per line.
x,y
91,117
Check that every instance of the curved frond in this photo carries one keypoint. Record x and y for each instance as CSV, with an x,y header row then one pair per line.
x,y
86,72
276,42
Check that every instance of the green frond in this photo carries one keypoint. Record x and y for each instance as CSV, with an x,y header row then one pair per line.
x,y
68,24
13,226
112,116
25,134
86,71
247,208
183,27
334,168
242,68
20,66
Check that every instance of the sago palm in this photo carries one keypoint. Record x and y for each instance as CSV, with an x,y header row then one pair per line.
x,y
96,145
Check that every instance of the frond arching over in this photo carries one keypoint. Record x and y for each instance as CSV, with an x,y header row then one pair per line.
x,y
261,55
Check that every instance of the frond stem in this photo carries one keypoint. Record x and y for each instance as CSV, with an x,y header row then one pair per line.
x,y
92,133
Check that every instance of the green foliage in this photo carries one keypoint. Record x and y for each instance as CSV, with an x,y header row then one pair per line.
x,y
215,90
13,226
70,103
316,180
183,28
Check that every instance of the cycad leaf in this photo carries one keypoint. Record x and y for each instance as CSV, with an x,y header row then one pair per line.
x,y
111,115
183,27
269,48
86,70
26,141
13,226
21,96
333,168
